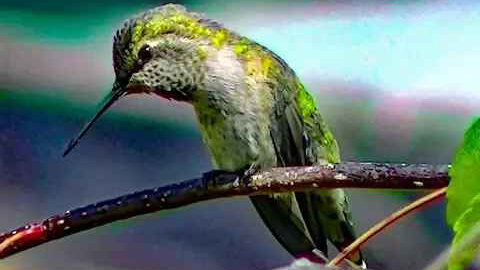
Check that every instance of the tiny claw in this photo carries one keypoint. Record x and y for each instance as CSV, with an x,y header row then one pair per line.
x,y
220,177
252,169
245,174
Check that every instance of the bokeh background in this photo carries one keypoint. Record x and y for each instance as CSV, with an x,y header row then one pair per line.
x,y
396,81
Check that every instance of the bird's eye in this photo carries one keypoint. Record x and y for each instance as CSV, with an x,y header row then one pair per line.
x,y
145,53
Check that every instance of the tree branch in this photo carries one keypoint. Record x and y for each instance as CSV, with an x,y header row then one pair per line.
x,y
223,185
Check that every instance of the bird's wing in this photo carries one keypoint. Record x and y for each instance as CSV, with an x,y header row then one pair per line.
x,y
280,212
291,141
325,212
300,138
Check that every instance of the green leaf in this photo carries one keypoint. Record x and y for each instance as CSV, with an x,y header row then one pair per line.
x,y
465,175
466,241
463,199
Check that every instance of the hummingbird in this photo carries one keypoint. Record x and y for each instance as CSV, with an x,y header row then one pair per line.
x,y
252,110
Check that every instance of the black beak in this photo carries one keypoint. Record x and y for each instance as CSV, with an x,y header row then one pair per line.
x,y
117,92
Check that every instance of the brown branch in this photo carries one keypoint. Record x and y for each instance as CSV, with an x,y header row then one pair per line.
x,y
382,225
213,186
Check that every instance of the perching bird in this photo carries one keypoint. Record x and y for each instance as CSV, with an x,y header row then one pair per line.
x,y
252,111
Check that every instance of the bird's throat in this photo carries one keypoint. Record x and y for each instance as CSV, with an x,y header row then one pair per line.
x,y
175,95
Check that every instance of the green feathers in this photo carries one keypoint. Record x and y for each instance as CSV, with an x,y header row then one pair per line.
x,y
305,102
154,24
175,19
322,143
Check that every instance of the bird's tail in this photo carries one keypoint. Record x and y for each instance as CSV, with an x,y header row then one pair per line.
x,y
326,214
284,221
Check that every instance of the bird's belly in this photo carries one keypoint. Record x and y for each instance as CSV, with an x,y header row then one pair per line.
x,y
235,143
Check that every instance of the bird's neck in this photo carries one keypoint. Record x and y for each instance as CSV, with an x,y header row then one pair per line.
x,y
224,80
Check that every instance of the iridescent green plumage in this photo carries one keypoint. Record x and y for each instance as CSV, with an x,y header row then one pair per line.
x,y
251,107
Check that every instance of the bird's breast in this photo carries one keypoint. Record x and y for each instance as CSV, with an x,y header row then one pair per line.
x,y
235,140
233,118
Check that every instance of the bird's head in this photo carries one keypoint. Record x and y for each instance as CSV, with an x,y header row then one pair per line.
x,y
161,51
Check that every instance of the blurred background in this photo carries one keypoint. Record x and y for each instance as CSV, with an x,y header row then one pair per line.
x,y
395,80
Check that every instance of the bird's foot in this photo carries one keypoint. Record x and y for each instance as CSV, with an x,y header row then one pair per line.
x,y
215,178
251,170
245,174
221,177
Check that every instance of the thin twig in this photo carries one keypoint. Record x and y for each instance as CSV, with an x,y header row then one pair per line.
x,y
213,186
382,225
